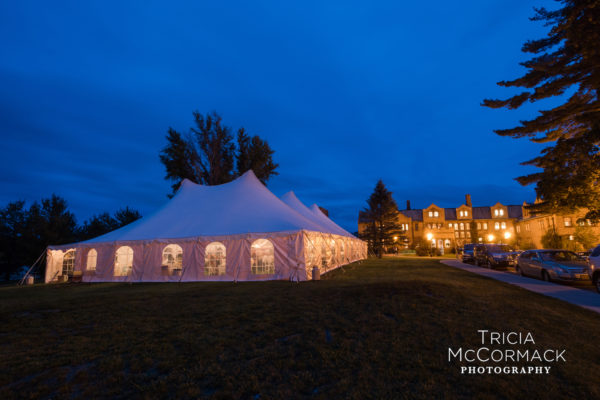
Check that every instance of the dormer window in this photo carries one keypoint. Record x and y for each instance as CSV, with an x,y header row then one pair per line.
x,y
498,212
431,213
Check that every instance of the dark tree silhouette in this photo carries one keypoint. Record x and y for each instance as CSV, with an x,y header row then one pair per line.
x,y
381,218
208,154
566,60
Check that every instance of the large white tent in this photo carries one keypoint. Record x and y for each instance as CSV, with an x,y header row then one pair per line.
x,y
235,231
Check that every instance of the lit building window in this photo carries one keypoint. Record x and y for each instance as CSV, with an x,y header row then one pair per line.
x,y
462,226
92,258
462,234
479,225
68,263
567,221
497,225
172,258
460,213
431,213
571,237
518,228
503,225
215,258
469,234
123,261
262,256
527,227
466,213
485,225
450,226
436,214
496,212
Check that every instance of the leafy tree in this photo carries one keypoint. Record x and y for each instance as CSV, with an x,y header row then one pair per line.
x,y
26,233
474,232
586,237
126,216
104,223
12,228
208,155
256,155
381,218
567,60
551,240
422,247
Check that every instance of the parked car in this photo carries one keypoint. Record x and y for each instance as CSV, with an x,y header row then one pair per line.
x,y
467,253
594,267
584,254
494,255
552,265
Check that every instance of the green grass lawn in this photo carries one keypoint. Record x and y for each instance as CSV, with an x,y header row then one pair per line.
x,y
380,329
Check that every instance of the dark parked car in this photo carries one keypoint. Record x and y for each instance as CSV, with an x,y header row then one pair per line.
x,y
553,265
594,267
494,255
467,253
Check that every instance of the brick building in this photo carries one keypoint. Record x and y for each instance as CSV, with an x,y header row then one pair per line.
x,y
447,228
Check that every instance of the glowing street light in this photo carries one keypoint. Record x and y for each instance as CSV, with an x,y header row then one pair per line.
x,y
507,235
490,238
395,238
429,236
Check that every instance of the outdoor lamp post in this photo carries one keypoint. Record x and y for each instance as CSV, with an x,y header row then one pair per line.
x,y
490,238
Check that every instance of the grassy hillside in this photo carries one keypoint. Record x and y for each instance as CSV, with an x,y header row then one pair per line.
x,y
380,329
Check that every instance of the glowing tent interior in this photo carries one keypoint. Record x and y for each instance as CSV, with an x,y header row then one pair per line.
x,y
235,231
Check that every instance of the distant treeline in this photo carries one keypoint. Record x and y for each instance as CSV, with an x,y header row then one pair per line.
x,y
26,232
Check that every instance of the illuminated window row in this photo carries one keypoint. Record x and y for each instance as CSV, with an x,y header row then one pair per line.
x,y
262,255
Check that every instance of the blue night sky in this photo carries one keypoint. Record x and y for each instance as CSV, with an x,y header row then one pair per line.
x,y
345,93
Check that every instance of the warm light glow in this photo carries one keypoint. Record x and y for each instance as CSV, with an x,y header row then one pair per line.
x,y
395,238
429,236
506,235
490,238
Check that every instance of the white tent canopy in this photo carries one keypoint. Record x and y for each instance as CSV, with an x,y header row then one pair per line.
x,y
235,231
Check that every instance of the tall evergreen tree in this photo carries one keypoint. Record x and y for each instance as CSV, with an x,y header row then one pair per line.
x,y
566,60
381,218
208,154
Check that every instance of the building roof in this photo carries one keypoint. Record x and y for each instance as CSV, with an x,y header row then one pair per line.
x,y
482,213
450,213
515,211
415,215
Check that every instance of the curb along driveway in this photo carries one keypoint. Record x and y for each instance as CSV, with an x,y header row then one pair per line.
x,y
582,298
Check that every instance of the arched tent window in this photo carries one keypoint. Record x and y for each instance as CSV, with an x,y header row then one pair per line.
x,y
172,258
123,261
92,258
68,263
262,254
215,258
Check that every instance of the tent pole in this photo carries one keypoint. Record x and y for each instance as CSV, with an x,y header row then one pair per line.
x,y
30,268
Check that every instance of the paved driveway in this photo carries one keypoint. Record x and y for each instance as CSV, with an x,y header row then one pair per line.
x,y
582,298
